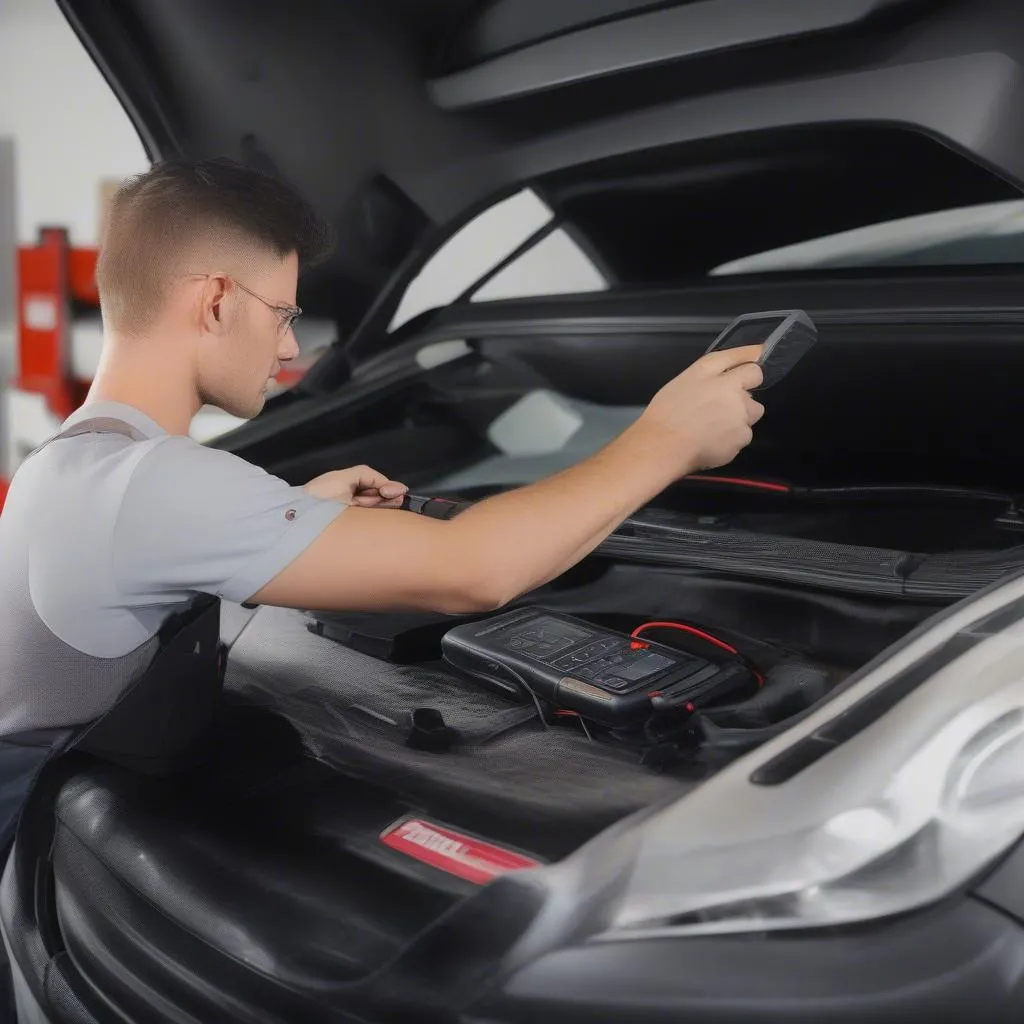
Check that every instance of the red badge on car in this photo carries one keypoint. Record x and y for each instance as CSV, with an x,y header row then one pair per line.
x,y
458,854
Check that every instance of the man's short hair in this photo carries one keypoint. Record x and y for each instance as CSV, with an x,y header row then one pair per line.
x,y
161,221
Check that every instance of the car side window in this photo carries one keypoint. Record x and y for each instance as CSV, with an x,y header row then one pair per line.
x,y
555,265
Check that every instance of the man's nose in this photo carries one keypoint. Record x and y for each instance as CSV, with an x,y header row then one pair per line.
x,y
289,347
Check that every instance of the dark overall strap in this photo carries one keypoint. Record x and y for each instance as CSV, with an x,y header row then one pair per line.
x,y
93,425
164,722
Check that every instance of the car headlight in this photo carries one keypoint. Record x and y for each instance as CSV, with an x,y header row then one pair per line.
x,y
900,815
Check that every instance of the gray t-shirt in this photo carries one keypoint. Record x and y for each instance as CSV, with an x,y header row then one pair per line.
x,y
104,536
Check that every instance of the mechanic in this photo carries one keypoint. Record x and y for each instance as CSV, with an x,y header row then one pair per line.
x,y
108,533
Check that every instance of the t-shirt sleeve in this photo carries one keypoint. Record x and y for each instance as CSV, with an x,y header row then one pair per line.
x,y
194,518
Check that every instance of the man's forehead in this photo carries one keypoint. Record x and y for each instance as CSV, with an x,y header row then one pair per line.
x,y
284,275
269,265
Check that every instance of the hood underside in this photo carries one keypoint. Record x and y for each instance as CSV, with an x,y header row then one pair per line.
x,y
401,121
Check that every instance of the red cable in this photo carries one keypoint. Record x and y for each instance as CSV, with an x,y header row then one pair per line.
x,y
686,629
760,485
703,636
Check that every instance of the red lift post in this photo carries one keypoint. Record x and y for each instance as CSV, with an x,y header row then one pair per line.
x,y
51,278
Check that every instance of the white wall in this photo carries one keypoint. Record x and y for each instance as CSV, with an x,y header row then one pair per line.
x,y
69,130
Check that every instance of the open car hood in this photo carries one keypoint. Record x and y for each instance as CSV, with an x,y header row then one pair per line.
x,y
402,120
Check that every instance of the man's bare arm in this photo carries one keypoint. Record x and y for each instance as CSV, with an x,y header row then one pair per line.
x,y
372,559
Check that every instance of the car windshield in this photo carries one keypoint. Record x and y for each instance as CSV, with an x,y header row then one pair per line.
x,y
980,234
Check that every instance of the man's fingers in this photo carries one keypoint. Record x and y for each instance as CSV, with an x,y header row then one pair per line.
x,y
755,410
375,501
747,375
354,483
366,478
370,481
726,358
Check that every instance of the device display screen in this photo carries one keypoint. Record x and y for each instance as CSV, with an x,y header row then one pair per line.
x,y
749,332
604,659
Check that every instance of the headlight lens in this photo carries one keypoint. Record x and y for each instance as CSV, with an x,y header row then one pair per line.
x,y
943,799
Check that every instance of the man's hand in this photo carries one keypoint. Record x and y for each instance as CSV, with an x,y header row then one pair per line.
x,y
704,417
358,485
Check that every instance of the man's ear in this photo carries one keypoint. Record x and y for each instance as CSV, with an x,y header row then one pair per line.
x,y
218,294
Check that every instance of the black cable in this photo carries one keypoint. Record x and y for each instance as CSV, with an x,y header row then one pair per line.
x,y
522,682
540,711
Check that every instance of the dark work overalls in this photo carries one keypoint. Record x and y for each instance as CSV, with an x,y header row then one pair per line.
x,y
163,723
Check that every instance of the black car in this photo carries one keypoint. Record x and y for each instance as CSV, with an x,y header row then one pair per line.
x,y
544,210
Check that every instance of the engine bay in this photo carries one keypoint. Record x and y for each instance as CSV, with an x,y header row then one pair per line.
x,y
387,698
677,702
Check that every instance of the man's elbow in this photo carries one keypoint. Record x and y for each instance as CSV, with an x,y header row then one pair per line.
x,y
473,593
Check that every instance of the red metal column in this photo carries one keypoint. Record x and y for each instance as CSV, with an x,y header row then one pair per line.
x,y
50,276
44,319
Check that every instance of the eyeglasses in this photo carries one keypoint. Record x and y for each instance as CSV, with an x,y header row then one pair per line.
x,y
286,314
